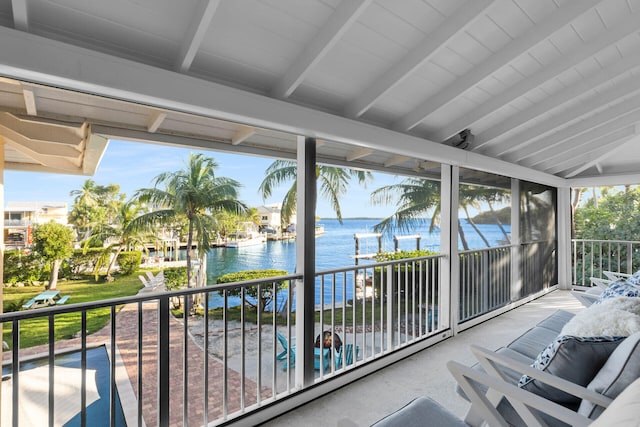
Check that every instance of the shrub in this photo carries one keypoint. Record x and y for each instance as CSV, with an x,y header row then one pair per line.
x,y
23,268
84,260
266,296
129,262
175,278
394,256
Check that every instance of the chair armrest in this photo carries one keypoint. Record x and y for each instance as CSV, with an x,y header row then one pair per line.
x,y
492,361
614,275
601,283
522,400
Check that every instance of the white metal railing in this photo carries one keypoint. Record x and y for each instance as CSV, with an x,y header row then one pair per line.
x,y
591,258
485,281
376,309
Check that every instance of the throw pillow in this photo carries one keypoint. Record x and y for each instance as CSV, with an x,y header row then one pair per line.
x,y
619,288
620,370
576,359
613,317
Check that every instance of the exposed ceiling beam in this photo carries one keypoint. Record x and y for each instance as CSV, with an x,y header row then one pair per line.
x,y
38,131
623,114
606,180
559,98
45,147
331,32
624,28
59,64
358,153
396,160
545,28
194,35
242,134
599,155
54,162
20,15
155,120
514,143
424,50
29,101
573,156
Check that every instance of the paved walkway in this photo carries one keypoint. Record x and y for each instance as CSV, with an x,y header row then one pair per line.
x,y
127,345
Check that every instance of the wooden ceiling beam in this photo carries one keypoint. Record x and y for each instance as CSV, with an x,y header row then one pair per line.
x,y
557,20
515,143
627,26
332,31
194,35
561,97
431,44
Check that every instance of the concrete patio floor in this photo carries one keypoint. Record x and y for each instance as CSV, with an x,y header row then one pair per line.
x,y
423,374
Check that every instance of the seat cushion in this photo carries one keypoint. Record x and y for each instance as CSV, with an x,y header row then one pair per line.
x,y
532,342
421,412
620,370
576,359
556,321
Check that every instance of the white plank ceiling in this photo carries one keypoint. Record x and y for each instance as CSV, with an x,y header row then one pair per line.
x,y
549,85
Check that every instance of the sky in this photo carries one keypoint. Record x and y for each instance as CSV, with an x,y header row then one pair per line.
x,y
135,165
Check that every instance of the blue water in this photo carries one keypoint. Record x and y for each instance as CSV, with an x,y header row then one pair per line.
x,y
98,359
334,249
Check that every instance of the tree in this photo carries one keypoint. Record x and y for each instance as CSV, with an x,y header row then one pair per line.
x,y
121,235
194,193
94,206
414,197
333,185
54,242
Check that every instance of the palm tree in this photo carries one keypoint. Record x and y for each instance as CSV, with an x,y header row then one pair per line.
x,y
416,196
194,193
123,235
333,185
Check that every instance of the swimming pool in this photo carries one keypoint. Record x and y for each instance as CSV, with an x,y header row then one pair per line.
x,y
98,360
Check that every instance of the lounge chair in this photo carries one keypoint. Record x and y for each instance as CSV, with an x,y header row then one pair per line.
x,y
486,391
287,350
346,351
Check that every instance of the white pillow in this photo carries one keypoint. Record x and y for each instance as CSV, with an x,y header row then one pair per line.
x,y
619,317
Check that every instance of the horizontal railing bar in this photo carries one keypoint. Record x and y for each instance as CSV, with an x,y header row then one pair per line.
x,y
605,241
74,308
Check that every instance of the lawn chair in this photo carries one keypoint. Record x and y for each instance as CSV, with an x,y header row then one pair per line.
x,y
346,351
287,350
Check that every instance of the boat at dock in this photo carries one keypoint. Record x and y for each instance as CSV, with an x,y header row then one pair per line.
x,y
248,236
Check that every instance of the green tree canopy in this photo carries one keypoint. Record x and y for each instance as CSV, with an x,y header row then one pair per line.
x,y
333,184
614,217
54,243
194,193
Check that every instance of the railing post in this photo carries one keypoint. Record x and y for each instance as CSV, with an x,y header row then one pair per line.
x,y
163,361
390,330
629,258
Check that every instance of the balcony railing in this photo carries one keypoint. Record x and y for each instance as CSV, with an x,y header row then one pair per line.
x,y
234,352
592,257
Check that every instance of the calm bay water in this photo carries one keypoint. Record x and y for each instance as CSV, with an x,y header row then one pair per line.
x,y
334,249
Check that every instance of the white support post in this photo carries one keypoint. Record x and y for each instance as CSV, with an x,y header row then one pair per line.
x,y
450,264
305,260
516,273
564,237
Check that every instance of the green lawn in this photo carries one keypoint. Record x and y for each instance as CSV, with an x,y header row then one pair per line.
x,y
36,331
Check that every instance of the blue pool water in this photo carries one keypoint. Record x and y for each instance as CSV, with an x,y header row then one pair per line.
x,y
98,411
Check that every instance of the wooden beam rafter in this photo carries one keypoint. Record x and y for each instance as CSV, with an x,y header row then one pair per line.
x,y
332,31
194,35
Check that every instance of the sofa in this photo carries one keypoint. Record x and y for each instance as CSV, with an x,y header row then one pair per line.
x,y
571,366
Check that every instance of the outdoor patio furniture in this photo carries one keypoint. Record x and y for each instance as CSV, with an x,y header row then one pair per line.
x,y
346,351
287,350
46,299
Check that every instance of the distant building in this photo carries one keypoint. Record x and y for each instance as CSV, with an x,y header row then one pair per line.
x,y
270,217
20,217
